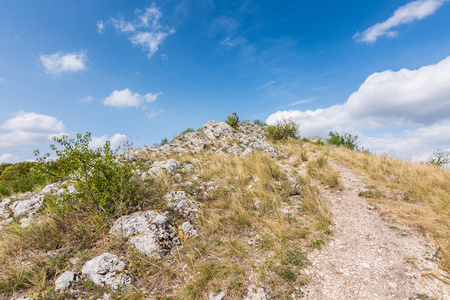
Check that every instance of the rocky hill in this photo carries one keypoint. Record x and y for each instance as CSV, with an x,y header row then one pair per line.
x,y
227,213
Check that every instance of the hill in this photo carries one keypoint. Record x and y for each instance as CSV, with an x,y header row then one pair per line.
x,y
227,212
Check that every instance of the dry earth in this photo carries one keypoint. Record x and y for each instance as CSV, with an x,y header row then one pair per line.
x,y
367,257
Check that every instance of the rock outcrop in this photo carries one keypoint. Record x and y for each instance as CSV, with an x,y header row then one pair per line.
x,y
106,270
149,232
182,203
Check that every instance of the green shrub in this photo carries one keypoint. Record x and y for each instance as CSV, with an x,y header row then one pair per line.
x,y
188,130
103,182
164,141
283,130
439,158
233,120
259,122
19,178
346,140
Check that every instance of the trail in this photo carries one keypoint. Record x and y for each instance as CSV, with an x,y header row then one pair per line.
x,y
367,257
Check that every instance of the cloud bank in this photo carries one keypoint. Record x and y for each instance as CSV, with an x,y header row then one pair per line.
x,y
419,99
59,62
406,14
28,128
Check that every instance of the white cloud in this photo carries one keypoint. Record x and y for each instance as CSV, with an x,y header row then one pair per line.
x,y
303,101
59,62
100,26
126,98
416,98
116,141
28,128
266,85
153,114
413,11
146,30
87,99
8,158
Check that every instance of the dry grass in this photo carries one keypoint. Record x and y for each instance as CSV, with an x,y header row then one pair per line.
x,y
418,194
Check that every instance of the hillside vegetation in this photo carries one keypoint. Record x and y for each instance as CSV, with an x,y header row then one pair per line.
x,y
235,209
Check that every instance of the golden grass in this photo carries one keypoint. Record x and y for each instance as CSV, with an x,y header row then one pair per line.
x,y
419,194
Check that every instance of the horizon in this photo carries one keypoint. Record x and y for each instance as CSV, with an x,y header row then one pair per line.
x,y
149,70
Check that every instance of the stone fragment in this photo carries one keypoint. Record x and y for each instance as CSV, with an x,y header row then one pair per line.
x,y
255,294
182,203
105,270
188,229
149,232
27,207
65,280
219,296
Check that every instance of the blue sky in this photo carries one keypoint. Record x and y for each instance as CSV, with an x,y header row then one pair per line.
x,y
148,70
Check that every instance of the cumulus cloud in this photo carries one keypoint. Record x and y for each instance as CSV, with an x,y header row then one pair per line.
x,y
411,12
146,30
59,62
28,128
416,98
116,140
126,98
8,158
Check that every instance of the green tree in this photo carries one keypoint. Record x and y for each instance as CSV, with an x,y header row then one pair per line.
x,y
233,120
346,140
439,158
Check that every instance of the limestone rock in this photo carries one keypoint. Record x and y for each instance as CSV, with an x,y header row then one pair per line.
x,y
315,138
255,294
27,207
102,271
188,229
149,232
182,203
219,296
169,167
64,281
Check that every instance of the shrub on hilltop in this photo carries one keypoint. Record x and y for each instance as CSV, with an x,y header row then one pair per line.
x,y
283,130
346,140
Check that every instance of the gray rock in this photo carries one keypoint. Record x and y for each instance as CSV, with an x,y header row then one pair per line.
x,y
217,130
255,294
27,207
188,229
315,138
51,188
106,297
5,223
65,280
4,211
149,232
247,152
219,296
169,167
25,298
182,203
102,271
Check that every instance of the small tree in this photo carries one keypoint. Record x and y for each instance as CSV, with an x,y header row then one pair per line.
x,y
439,158
164,141
103,182
233,120
283,130
346,140
259,122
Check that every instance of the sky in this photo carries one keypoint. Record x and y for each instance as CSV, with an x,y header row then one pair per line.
x,y
144,70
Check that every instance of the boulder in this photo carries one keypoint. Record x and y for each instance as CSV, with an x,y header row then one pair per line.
x,y
217,130
182,203
65,280
188,229
103,269
27,207
315,139
219,296
169,167
149,232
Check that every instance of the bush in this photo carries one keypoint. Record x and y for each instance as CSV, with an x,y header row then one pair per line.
x,y
283,130
188,130
19,178
259,123
104,183
233,120
439,158
164,141
346,140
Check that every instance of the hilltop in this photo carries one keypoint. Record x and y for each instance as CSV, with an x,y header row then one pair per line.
x,y
233,210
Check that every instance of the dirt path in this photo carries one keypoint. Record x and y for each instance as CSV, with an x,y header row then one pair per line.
x,y
368,258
